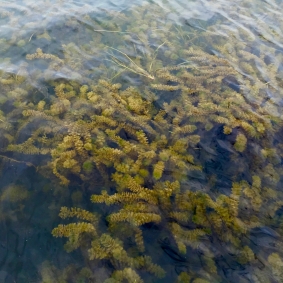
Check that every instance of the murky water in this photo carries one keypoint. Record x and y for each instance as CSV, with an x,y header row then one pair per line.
x,y
141,141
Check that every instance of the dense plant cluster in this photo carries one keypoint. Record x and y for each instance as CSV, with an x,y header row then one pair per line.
x,y
178,128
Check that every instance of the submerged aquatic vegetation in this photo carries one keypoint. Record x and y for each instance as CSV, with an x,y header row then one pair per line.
x,y
191,158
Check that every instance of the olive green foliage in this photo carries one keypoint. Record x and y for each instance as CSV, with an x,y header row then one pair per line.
x,y
148,144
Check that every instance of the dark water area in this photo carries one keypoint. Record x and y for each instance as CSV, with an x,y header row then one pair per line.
x,y
141,141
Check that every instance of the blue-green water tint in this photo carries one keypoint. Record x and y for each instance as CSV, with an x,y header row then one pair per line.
x,y
169,53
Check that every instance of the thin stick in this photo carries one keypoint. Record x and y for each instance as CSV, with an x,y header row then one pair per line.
x,y
128,58
102,30
155,55
30,37
183,63
117,74
139,71
132,70
14,160
179,32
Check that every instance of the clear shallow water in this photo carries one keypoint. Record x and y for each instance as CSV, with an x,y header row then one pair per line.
x,y
162,119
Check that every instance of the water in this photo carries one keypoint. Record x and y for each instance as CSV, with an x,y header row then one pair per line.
x,y
141,141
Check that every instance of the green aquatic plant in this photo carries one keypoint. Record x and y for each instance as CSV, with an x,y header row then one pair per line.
x,y
102,247
155,150
131,65
14,193
51,273
139,147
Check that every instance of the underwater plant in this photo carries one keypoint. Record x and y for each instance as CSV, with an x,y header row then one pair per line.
x,y
187,163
